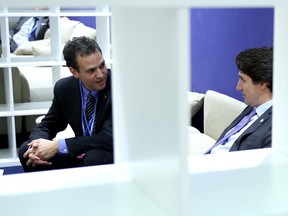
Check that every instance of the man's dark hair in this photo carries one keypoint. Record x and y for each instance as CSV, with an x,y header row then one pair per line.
x,y
257,63
82,46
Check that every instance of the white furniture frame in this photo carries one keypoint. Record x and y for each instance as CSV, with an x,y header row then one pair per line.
x,y
152,175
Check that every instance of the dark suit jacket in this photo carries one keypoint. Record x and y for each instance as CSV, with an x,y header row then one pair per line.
x,y
258,135
66,109
40,30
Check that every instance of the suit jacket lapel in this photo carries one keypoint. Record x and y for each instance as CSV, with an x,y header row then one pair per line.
x,y
77,103
259,121
266,115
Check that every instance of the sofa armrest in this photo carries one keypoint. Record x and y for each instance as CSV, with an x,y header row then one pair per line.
x,y
195,102
25,94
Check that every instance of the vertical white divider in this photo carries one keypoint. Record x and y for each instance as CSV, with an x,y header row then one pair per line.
x,y
103,32
150,83
4,28
280,87
10,104
56,41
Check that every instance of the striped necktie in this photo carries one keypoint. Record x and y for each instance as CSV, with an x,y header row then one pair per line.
x,y
89,106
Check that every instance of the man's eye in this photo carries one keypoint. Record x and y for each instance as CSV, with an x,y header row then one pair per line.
x,y
102,65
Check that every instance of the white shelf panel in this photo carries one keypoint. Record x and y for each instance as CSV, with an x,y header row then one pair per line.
x,y
32,108
149,3
63,12
4,110
8,161
16,62
32,61
23,109
6,156
122,196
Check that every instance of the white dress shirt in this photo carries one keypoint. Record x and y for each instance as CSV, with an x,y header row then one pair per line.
x,y
23,34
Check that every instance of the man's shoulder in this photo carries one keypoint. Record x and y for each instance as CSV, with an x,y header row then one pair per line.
x,y
67,82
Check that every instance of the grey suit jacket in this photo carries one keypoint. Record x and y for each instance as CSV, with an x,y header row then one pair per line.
x,y
257,135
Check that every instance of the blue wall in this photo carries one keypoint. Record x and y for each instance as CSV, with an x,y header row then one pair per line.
x,y
88,21
218,35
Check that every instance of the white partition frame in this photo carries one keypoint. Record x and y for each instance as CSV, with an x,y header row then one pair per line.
x,y
150,176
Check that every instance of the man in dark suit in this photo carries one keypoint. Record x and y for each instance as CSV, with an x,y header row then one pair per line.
x,y
27,29
93,141
255,83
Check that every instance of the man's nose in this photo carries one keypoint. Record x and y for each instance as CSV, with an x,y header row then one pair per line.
x,y
99,72
238,86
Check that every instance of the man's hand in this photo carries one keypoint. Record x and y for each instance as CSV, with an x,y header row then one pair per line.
x,y
40,152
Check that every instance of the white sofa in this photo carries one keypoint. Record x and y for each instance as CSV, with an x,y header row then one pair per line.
x,y
68,30
219,111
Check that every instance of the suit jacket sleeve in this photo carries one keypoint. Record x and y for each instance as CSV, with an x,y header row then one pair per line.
x,y
16,27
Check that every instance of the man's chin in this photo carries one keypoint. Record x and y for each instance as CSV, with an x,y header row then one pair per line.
x,y
100,87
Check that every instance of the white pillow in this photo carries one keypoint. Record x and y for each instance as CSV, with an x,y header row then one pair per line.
x,y
41,50
26,47
82,30
66,28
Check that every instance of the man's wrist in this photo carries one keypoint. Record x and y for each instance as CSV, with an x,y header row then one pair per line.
x,y
62,147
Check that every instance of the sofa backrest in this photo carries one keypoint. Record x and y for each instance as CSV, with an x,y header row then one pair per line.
x,y
219,111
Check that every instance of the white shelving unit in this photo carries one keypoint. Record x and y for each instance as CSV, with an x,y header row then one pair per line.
x,y
8,157
152,174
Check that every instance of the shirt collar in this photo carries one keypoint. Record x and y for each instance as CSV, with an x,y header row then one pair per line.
x,y
86,91
263,107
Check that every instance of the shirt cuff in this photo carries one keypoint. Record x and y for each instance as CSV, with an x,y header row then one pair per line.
x,y
62,147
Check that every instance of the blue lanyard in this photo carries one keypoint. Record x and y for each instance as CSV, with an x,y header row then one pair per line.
x,y
88,130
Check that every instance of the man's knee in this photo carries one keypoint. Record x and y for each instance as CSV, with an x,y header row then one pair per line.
x,y
98,157
22,149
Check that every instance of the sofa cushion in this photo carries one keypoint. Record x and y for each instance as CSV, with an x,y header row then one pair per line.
x,y
199,143
26,47
81,30
219,111
41,50
66,28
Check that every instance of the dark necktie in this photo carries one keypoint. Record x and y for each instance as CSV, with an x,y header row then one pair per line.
x,y
32,34
89,110
89,106
237,128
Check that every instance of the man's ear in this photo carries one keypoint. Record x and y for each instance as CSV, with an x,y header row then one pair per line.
x,y
264,85
74,72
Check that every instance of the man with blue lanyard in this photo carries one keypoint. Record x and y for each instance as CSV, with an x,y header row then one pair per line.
x,y
84,102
